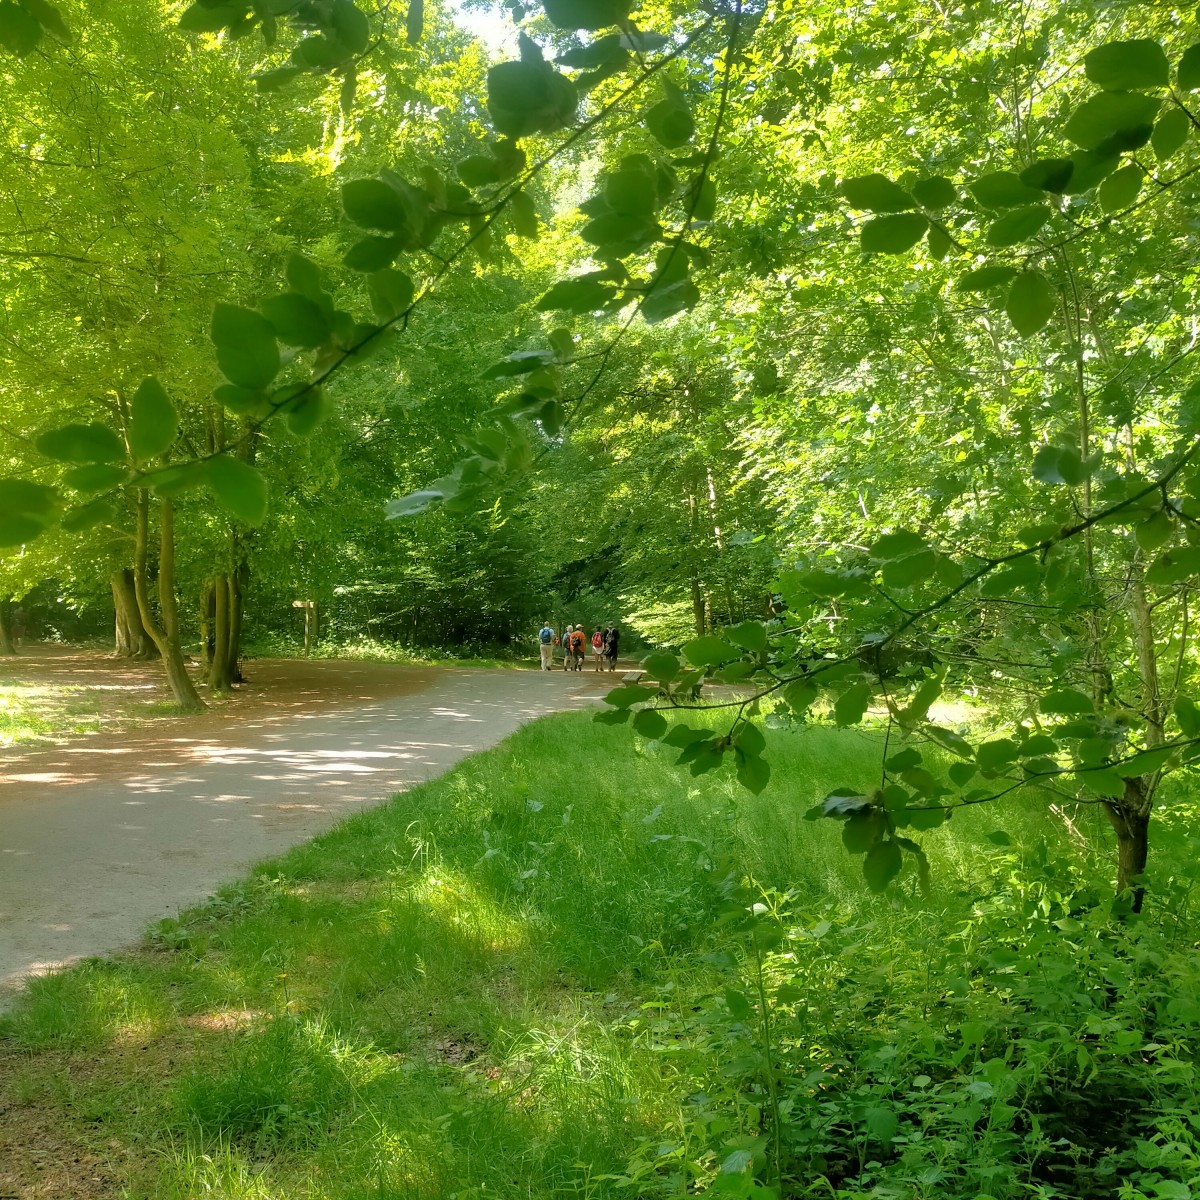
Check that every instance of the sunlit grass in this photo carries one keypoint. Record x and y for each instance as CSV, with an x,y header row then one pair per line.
x,y
448,995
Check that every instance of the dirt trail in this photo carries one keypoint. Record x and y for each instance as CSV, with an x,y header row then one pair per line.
x,y
106,833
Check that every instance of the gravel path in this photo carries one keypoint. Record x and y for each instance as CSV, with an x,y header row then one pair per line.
x,y
89,858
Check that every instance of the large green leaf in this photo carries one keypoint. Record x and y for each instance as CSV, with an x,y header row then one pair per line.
x,y
95,477
1113,121
1171,131
526,97
351,26
239,488
19,33
372,253
1048,174
877,193
88,516
988,276
81,444
1188,72
670,120
1121,188
935,192
297,320
582,295
893,234
247,351
851,705
586,14
25,510
153,421
391,293
1127,66
881,865
1003,189
1031,302
709,651
374,204
1018,225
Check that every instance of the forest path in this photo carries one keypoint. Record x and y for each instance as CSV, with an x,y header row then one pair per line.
x,y
100,837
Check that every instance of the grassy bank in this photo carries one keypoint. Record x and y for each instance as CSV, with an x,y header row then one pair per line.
x,y
569,969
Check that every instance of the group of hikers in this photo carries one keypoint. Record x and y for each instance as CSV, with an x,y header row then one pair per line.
x,y
604,644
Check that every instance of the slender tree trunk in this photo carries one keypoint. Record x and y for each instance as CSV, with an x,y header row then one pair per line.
x,y
220,672
1130,819
166,636
237,593
7,645
697,608
205,611
130,637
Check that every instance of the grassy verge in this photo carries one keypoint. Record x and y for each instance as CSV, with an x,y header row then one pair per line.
x,y
34,712
570,969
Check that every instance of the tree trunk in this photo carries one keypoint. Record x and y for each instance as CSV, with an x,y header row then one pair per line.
x,y
130,637
1130,819
166,637
6,638
698,608
237,591
220,670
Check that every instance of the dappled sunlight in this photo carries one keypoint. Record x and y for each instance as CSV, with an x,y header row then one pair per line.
x,y
459,901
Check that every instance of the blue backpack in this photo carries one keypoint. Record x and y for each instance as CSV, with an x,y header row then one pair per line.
x,y
546,634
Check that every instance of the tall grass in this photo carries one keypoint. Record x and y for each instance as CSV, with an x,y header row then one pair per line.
x,y
514,982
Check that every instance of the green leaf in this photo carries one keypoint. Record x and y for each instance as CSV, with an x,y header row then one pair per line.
x,y
296,320
1066,701
18,528
206,17
1155,531
649,723
88,516
153,422
247,351
81,444
861,830
586,14
1188,72
620,234
1127,66
982,278
1113,121
19,33
800,694
526,97
1017,225
391,293
893,235
682,735
708,651
49,18
581,295
1171,131
95,477
374,204
1003,189
882,1123
993,755
351,26
670,121
935,192
852,704
172,480
1121,188
753,773
877,193
278,79
306,411
906,572
623,697
1091,168
999,838
523,362
1188,716
1049,174
750,635
414,503
663,667
898,545
1175,566
372,253
749,739
881,865
24,498
1031,302
239,488
939,243
523,215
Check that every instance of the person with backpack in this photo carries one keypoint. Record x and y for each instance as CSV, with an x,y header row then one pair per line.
x,y
578,640
612,644
546,645
598,648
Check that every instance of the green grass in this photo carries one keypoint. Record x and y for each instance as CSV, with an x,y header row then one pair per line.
x,y
540,976
30,712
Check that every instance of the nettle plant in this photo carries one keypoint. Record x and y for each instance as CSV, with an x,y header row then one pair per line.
x,y
1076,622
